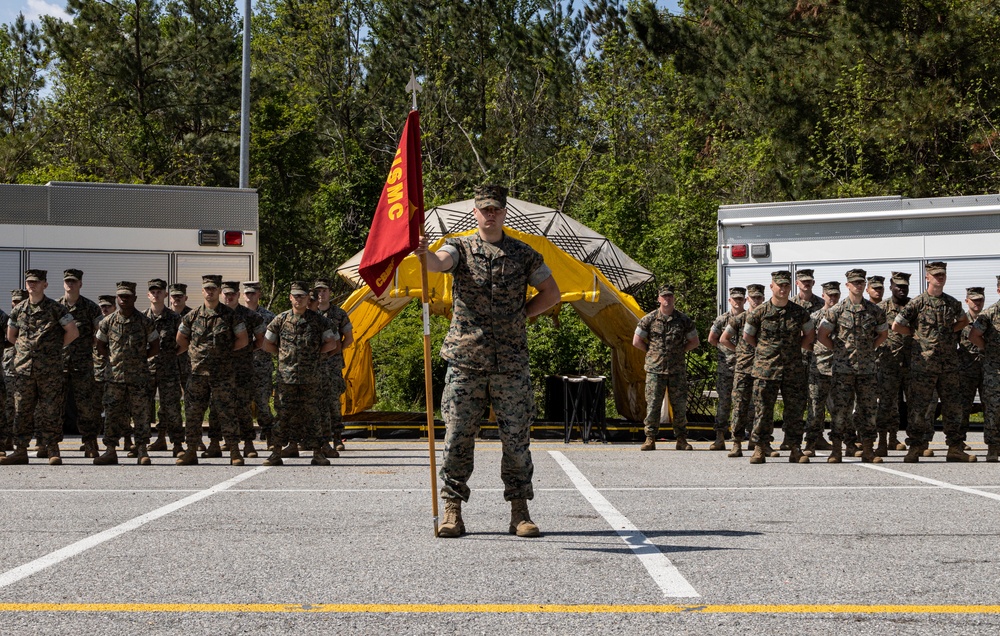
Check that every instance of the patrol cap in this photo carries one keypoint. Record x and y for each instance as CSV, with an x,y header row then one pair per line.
x,y
72,274
754,290
211,280
784,277
106,301
876,282
803,274
856,276
491,196
901,278
936,267
300,288
231,287
832,287
18,295
737,292
156,283
975,293
36,275
251,285
125,287
666,290
178,289
323,282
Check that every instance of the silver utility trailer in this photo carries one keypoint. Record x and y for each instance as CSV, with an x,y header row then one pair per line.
x,y
126,232
879,234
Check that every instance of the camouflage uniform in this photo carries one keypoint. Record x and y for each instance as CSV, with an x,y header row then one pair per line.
x,y
970,371
212,334
820,385
127,393
778,364
333,375
245,375
101,368
300,406
81,389
988,324
856,327
487,353
666,368
893,369
166,376
8,372
725,373
933,364
263,368
742,415
38,363
6,423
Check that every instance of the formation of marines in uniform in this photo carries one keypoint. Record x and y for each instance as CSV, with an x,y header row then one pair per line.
x,y
854,357
77,356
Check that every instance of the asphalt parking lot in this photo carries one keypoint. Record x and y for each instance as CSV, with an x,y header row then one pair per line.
x,y
676,542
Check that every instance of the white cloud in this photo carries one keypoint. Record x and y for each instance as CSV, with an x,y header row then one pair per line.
x,y
35,9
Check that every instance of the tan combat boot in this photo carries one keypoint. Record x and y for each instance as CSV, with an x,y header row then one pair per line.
x,y
90,449
452,525
956,453
225,447
883,444
810,449
759,456
319,458
18,457
54,457
649,444
682,444
142,455
737,448
993,453
177,450
914,452
720,441
235,458
340,445
927,451
329,451
767,450
852,449
274,459
160,443
213,450
520,521
292,450
894,443
127,444
868,455
249,450
822,444
836,453
109,458
796,456
42,452
188,457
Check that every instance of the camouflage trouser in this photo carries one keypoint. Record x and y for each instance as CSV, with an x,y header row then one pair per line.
x,y
467,394
724,389
742,405
263,368
245,390
991,404
794,393
167,386
184,368
676,389
38,401
333,388
5,421
921,400
82,389
970,384
891,378
219,389
819,401
125,402
850,391
300,408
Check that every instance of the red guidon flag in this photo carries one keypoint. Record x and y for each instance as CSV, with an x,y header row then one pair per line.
x,y
400,212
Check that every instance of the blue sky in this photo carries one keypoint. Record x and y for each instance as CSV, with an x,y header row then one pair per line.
x,y
32,9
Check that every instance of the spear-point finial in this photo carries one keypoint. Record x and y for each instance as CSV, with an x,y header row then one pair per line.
x,y
414,87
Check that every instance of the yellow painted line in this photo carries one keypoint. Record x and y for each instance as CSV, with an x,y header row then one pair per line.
x,y
422,608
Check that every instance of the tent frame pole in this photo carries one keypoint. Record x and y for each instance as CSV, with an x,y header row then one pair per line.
x,y
428,383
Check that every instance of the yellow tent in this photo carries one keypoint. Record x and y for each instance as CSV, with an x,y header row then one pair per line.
x,y
609,312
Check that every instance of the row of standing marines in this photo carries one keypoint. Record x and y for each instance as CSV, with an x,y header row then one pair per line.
x,y
74,354
854,357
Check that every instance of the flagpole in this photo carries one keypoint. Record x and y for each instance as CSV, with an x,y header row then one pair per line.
x,y
414,88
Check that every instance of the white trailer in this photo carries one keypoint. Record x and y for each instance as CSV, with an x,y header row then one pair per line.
x,y
879,234
126,232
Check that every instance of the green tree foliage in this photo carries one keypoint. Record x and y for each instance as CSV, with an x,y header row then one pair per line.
x,y
23,59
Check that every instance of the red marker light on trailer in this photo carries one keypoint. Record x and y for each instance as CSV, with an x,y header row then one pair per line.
x,y
234,238
739,251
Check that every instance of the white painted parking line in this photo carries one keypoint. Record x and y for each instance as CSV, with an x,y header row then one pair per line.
x,y
32,567
664,573
934,482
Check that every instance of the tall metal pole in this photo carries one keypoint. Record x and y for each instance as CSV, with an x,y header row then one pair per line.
x,y
245,102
